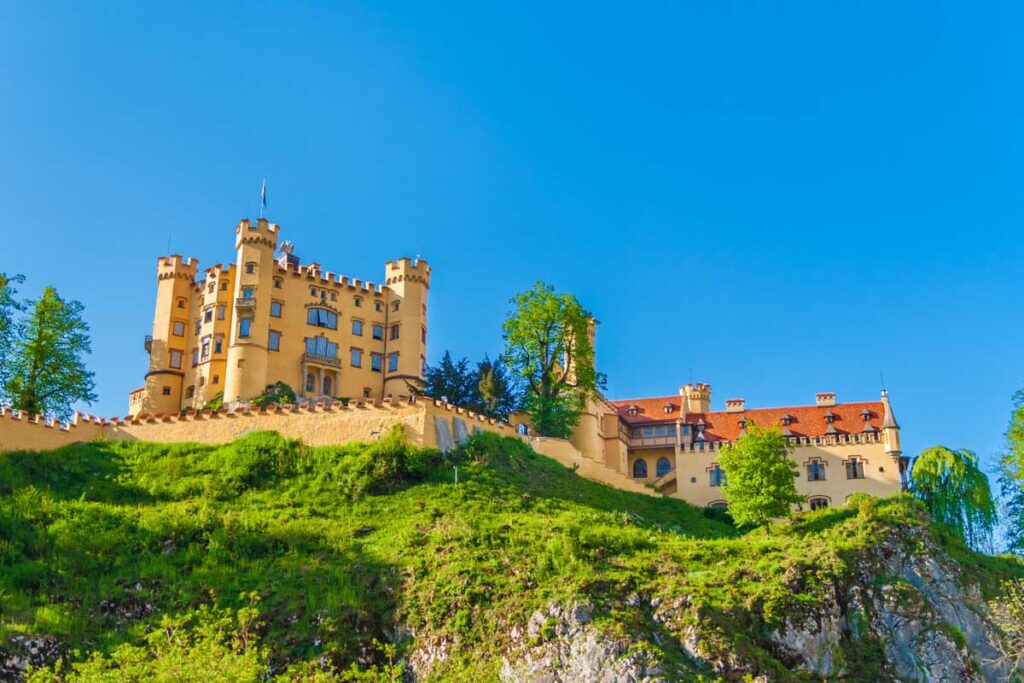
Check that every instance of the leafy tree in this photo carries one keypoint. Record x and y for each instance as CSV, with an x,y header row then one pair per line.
x,y
760,478
497,395
47,373
1008,614
548,346
956,492
278,393
1011,477
9,306
451,381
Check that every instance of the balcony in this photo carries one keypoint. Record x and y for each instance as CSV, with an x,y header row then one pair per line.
x,y
147,343
321,359
652,441
245,303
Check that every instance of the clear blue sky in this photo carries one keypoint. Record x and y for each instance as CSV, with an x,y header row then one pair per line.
x,y
786,197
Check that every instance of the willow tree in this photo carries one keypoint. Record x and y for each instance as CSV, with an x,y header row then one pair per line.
x,y
47,370
956,492
548,346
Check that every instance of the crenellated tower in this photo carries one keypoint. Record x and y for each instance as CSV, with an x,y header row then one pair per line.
x,y
172,334
405,351
247,359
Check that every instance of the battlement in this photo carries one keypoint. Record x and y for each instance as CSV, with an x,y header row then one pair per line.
x,y
312,272
408,270
173,266
262,232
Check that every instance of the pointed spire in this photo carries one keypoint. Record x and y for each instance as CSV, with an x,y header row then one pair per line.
x,y
890,420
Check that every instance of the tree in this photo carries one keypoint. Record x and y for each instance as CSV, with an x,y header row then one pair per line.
x,y
47,374
496,394
956,492
760,478
1011,477
9,306
548,346
277,393
451,381
1008,614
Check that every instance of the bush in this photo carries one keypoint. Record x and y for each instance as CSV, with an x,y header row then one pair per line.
x,y
278,393
215,403
254,460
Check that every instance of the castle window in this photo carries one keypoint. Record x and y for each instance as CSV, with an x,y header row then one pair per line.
x,y
394,332
182,303
357,328
395,305
195,357
716,475
356,358
190,392
378,306
209,288
423,365
366,392
216,379
208,315
224,286
358,301
206,348
378,331
248,292
818,503
199,325
855,468
274,341
393,362
522,429
245,328
423,335
241,363
312,292
178,328
218,347
319,346
278,283
202,380
321,317
632,411
166,391
221,311
250,267
815,470
175,359
663,467
375,362
334,296
327,385
640,469
275,309
310,383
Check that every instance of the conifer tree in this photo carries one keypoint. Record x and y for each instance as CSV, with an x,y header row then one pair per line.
x,y
47,374
450,380
496,393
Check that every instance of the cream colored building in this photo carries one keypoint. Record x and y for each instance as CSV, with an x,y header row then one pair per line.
x,y
269,318
673,443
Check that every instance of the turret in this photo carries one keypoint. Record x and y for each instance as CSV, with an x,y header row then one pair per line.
x,y
890,428
172,334
695,398
408,281
247,353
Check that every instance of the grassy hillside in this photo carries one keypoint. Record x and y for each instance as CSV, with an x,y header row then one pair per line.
x,y
196,562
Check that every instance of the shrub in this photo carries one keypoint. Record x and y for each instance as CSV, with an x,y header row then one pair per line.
x,y
215,403
278,393
256,459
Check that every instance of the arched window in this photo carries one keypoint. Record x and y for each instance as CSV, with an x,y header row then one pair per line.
x,y
310,383
818,503
640,469
719,505
663,467
327,386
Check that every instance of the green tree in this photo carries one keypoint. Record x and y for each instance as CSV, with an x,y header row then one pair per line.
x,y
496,394
9,307
451,381
548,346
1011,477
956,492
47,373
760,478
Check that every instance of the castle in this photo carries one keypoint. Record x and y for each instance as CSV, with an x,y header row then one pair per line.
x,y
268,318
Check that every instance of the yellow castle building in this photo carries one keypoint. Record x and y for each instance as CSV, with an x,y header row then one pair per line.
x,y
267,318
672,443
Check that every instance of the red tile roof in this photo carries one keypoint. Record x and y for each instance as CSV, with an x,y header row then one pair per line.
x,y
723,426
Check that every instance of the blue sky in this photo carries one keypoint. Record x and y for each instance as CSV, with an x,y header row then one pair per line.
x,y
777,198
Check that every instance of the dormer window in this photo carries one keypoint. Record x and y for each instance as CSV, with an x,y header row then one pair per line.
x,y
668,408
631,411
786,420
829,417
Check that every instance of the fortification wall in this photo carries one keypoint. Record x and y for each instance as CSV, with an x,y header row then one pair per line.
x,y
19,432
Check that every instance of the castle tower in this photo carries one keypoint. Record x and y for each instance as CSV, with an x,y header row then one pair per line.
x,y
890,428
173,334
405,349
247,352
695,398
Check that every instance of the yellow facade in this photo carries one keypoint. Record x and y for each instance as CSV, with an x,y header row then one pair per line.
x,y
268,318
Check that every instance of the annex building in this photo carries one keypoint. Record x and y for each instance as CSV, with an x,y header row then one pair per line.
x,y
268,318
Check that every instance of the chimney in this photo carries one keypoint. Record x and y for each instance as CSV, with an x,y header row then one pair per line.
x,y
734,405
825,399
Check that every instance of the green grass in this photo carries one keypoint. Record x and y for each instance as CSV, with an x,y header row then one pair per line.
x,y
160,560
